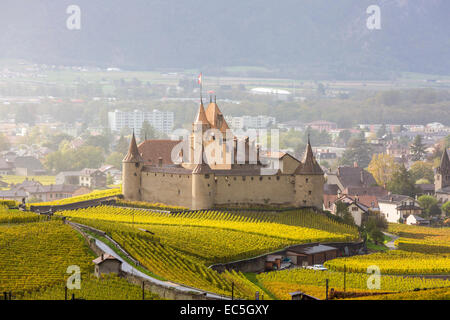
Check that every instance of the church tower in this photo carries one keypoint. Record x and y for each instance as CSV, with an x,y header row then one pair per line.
x,y
131,172
309,181
442,175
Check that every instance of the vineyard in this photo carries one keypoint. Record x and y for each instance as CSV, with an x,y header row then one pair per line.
x,y
16,216
395,262
109,287
89,196
283,282
300,226
36,255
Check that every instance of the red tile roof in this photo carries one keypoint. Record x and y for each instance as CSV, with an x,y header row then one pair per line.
x,y
152,150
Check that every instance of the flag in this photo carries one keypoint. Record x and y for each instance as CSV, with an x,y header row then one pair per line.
x,y
200,78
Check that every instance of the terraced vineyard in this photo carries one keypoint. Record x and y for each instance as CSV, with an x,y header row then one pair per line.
x,y
36,255
109,287
16,216
178,247
312,282
89,196
300,226
395,262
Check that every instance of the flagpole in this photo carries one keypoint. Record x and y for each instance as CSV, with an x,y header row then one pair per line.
x,y
201,85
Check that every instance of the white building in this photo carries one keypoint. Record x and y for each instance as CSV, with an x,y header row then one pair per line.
x,y
395,207
162,121
250,122
280,94
416,220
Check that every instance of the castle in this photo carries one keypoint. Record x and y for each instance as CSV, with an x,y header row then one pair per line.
x,y
214,168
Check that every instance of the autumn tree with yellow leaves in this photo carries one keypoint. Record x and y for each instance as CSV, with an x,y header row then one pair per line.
x,y
382,166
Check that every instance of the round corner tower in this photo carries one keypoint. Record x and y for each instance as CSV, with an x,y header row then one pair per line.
x,y
131,172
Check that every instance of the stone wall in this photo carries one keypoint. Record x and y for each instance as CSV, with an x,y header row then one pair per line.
x,y
275,190
257,264
167,188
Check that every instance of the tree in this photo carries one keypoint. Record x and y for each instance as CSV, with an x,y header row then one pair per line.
x,y
427,203
148,132
382,167
402,183
344,136
372,227
115,159
446,208
422,170
417,149
122,145
357,151
4,143
343,212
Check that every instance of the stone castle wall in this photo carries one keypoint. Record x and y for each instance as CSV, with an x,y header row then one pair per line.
x,y
167,188
206,191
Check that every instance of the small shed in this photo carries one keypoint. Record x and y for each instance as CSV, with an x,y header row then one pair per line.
x,y
317,254
298,295
105,264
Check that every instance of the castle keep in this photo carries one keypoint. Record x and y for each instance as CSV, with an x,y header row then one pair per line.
x,y
214,168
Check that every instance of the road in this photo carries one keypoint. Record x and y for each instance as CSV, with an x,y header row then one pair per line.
x,y
391,244
126,267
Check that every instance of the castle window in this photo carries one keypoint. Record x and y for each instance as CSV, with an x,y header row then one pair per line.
x,y
309,192
278,177
234,178
307,180
206,176
179,191
155,174
270,178
304,201
135,174
260,178
251,178
208,185
243,178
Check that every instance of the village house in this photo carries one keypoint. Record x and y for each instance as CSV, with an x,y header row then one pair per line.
x,y
357,209
90,178
396,208
30,189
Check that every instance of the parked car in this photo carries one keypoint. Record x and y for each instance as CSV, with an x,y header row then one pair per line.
x,y
318,267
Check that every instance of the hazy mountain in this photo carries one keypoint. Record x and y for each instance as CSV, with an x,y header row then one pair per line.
x,y
298,38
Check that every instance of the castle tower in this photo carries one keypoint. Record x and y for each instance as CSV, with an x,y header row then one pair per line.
x,y
199,127
131,172
309,181
202,187
442,175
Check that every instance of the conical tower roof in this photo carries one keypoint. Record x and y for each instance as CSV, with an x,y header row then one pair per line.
x,y
445,162
213,114
133,154
201,115
309,163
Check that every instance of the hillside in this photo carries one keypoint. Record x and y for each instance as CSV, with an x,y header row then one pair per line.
x,y
300,39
